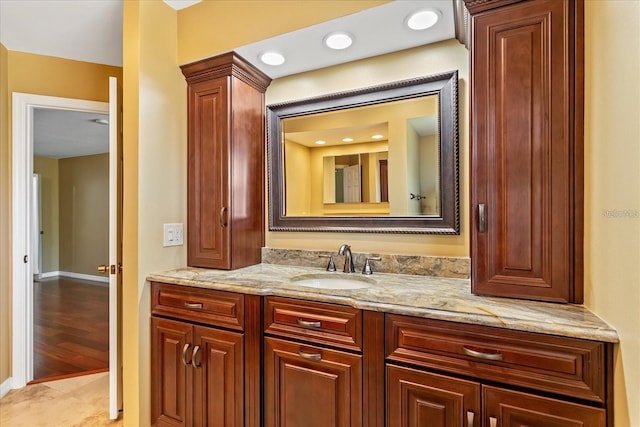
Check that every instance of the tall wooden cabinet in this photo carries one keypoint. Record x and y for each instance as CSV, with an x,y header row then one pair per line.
x,y
225,195
526,148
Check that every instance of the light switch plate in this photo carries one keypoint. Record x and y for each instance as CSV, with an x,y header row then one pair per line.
x,y
173,234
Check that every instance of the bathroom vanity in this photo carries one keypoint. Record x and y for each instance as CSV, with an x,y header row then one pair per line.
x,y
396,351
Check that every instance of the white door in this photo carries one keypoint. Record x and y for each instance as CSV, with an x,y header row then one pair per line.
x,y
115,249
352,184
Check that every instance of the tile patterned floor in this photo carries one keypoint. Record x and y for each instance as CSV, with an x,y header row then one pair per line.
x,y
73,402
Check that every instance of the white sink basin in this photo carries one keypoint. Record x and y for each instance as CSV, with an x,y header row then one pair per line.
x,y
331,282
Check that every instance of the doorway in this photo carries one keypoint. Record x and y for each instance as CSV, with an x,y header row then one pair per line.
x,y
24,245
70,239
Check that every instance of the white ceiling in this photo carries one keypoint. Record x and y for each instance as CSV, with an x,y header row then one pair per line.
x,y
59,134
91,31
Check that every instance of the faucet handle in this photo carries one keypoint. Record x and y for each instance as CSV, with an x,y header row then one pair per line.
x,y
331,266
367,266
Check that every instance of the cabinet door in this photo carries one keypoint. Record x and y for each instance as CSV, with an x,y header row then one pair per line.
x,y
171,376
505,408
419,399
526,151
208,175
218,378
311,386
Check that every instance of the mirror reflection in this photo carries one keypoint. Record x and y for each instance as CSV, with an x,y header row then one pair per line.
x,y
381,159
373,160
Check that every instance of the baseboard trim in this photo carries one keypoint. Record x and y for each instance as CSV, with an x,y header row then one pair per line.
x,y
91,277
6,387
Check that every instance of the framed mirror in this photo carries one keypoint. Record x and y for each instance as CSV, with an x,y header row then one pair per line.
x,y
382,159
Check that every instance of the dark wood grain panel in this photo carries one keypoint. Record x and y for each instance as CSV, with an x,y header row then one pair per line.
x,y
208,173
567,366
417,398
373,369
170,377
314,321
253,361
218,378
314,393
515,409
226,138
217,308
526,148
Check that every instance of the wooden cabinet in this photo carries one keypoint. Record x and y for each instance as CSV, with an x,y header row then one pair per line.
x,y
225,193
417,398
313,365
311,386
507,408
204,375
526,148
560,381
198,374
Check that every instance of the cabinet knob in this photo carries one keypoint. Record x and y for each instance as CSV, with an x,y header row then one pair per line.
x,y
310,356
184,355
482,218
493,422
196,362
470,418
308,324
223,217
482,355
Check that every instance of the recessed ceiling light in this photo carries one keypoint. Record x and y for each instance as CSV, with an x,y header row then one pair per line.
x,y
338,41
423,19
101,121
272,58
347,139
377,136
321,142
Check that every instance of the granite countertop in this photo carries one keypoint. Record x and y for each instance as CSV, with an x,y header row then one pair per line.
x,y
422,296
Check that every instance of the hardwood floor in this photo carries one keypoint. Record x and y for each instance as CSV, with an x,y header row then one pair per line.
x,y
71,328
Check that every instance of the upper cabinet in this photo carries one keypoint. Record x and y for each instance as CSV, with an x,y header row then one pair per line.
x,y
527,148
225,195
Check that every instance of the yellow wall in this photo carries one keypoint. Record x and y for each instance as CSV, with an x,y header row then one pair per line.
x,y
155,180
42,75
612,182
5,220
214,27
298,179
84,213
50,211
423,61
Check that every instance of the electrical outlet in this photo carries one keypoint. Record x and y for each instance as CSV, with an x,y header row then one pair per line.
x,y
173,234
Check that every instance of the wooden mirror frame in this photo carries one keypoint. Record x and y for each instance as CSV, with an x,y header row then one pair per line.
x,y
444,85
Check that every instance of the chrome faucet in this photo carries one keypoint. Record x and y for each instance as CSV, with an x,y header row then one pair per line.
x,y
348,260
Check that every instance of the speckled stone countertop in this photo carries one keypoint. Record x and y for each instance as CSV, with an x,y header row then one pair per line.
x,y
422,296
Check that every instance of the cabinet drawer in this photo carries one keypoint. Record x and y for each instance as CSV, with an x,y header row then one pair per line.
x,y
313,321
567,366
208,306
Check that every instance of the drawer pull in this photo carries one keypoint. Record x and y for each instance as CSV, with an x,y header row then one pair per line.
x,y
309,324
194,305
470,417
481,355
196,353
493,422
184,355
310,356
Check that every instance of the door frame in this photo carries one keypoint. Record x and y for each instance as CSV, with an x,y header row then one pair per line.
x,y
22,272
